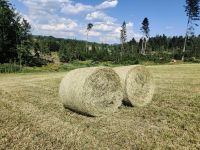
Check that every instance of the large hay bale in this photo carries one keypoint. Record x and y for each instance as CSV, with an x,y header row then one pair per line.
x,y
91,91
137,83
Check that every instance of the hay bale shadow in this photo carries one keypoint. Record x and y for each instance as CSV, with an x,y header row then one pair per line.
x,y
79,112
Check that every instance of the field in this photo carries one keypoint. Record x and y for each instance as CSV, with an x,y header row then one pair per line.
x,y
31,116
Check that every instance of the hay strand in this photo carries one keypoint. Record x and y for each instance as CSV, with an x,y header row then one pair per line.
x,y
137,83
92,91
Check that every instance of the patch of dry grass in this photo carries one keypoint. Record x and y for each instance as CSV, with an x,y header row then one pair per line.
x,y
32,117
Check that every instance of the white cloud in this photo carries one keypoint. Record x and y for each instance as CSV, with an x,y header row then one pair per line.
x,y
75,8
60,34
57,27
43,6
132,33
100,16
94,33
69,25
70,7
91,33
107,4
44,17
53,17
102,26
113,35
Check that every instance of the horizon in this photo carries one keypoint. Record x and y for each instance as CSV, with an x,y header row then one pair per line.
x,y
68,19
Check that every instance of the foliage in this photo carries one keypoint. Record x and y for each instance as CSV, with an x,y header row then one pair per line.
x,y
13,30
193,60
145,29
89,26
123,36
158,58
18,45
9,68
192,10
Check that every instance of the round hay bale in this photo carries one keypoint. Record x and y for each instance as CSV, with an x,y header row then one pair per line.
x,y
91,91
137,83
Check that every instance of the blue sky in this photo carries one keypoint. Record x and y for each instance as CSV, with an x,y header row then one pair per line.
x,y
69,18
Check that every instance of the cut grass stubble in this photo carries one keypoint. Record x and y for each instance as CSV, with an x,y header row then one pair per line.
x,y
32,117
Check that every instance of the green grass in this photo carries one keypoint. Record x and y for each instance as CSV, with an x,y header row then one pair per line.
x,y
67,66
13,68
9,68
31,116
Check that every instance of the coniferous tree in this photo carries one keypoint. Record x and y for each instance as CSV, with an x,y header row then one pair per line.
x,y
123,34
192,10
89,28
145,30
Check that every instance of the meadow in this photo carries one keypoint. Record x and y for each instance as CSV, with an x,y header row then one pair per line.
x,y
32,117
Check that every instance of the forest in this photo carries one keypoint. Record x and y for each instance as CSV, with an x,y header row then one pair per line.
x,y
18,46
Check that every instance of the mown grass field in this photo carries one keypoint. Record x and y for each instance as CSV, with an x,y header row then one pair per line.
x,y
31,116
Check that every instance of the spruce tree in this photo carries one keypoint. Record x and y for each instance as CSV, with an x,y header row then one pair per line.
x,y
192,11
89,28
123,36
145,30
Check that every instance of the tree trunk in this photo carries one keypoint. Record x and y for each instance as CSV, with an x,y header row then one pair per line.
x,y
86,47
142,51
184,47
185,42
145,46
20,63
20,58
122,47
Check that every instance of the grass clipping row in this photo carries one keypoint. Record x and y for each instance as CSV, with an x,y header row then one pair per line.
x,y
91,91
137,83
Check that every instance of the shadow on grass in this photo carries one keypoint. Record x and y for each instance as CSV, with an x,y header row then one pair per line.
x,y
79,112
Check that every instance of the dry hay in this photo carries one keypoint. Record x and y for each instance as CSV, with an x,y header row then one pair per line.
x,y
91,91
137,83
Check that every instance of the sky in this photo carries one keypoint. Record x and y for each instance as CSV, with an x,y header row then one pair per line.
x,y
69,18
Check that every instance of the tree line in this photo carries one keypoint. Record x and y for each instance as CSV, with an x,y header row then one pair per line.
x,y
157,47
